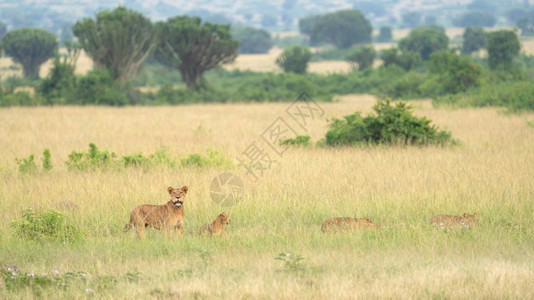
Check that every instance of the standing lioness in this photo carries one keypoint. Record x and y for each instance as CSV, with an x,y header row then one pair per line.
x,y
166,216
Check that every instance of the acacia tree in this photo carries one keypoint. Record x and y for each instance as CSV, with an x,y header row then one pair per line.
x,y
194,47
30,47
119,40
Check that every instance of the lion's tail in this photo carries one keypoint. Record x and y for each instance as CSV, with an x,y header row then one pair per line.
x,y
127,227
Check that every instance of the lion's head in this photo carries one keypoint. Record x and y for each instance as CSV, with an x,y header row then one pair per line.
x,y
223,218
469,217
177,195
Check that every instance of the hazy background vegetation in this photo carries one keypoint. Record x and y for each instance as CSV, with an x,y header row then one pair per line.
x,y
424,108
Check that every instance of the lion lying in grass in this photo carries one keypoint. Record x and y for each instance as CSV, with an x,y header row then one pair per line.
x,y
167,216
463,221
217,226
347,224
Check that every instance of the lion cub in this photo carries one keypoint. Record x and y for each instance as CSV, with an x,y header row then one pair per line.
x,y
346,224
463,221
217,226
167,216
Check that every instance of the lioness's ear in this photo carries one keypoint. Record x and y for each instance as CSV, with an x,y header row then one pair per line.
x,y
185,189
170,189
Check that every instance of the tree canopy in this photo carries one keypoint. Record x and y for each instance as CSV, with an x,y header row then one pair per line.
x,y
30,47
475,18
474,39
343,29
194,47
425,40
502,46
119,40
252,40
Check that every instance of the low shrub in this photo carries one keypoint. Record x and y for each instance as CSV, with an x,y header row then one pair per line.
x,y
48,225
214,158
301,140
391,124
27,165
90,160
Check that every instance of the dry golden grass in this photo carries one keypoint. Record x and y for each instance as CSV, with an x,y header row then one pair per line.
x,y
399,188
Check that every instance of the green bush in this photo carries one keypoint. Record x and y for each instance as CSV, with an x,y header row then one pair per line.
x,y
90,160
301,141
97,87
27,165
214,158
516,96
452,74
294,59
48,225
407,60
47,162
160,158
363,57
392,124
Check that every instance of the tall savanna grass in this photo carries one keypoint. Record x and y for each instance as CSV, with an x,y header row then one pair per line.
x,y
400,188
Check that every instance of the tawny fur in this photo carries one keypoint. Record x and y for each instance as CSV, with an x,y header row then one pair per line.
x,y
450,221
217,226
347,224
167,216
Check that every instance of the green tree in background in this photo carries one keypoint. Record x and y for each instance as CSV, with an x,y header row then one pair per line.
x,y
30,47
194,47
385,35
411,19
502,46
119,40
3,29
294,59
363,57
342,29
252,40
475,18
405,59
306,24
474,40
425,40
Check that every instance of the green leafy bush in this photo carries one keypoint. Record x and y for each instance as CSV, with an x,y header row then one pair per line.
x,y
48,225
47,162
301,140
294,59
214,158
27,165
392,124
90,160
363,57
516,96
160,158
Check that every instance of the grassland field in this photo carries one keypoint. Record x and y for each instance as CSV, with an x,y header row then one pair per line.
x,y
400,188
